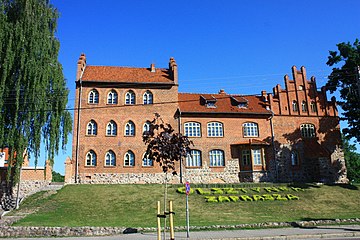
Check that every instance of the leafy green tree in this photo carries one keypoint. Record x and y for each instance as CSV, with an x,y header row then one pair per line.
x,y
352,159
346,78
57,177
33,93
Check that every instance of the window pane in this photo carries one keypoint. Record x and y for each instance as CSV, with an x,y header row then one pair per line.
x,y
256,156
216,158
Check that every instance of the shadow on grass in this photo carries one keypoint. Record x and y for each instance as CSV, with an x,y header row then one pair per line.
x,y
345,228
347,186
304,185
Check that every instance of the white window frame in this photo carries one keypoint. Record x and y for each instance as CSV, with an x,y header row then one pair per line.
x,y
295,106
192,129
129,159
250,129
217,158
93,97
193,158
215,129
308,130
90,160
129,129
112,97
130,98
146,126
303,106
257,156
147,162
91,128
110,159
148,98
111,128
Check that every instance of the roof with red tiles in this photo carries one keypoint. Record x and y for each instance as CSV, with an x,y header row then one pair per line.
x,y
126,75
223,103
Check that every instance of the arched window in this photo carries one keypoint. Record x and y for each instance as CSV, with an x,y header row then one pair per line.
x,y
295,106
193,159
92,128
313,107
146,126
93,96
215,129
129,159
192,129
111,129
307,130
90,158
303,106
216,157
129,129
110,159
294,158
112,97
148,98
130,98
250,129
146,162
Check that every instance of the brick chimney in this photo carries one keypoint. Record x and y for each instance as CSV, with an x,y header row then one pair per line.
x,y
173,70
222,91
152,68
264,96
80,66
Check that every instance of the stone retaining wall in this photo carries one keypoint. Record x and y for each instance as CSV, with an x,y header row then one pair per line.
x,y
8,231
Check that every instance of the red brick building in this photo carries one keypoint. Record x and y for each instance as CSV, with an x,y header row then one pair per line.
x,y
289,135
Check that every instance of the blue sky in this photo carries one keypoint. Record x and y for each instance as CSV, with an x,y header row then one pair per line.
x,y
240,46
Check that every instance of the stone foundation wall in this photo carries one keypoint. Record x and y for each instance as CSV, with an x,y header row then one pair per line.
x,y
29,187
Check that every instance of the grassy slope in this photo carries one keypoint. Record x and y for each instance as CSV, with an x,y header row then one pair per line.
x,y
135,206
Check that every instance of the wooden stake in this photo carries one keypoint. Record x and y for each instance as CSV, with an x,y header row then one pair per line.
x,y
172,237
158,221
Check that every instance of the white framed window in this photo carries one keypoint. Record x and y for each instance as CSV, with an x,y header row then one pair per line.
x,y
111,129
216,157
307,130
93,96
129,159
295,106
112,97
245,156
256,155
110,158
192,129
148,98
193,159
294,158
129,129
147,162
146,126
90,158
303,106
250,129
215,129
91,128
313,107
130,98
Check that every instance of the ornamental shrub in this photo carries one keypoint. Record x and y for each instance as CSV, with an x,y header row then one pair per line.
x,y
297,189
182,190
279,197
268,197
202,192
230,191
283,188
217,191
246,198
234,198
211,199
271,189
224,199
256,189
292,197
242,189
258,197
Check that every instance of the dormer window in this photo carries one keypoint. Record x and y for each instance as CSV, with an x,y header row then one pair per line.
x,y
209,101
240,102
211,104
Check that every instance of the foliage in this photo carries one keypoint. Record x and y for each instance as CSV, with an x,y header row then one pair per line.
x,y
352,159
33,93
346,78
136,206
57,177
164,145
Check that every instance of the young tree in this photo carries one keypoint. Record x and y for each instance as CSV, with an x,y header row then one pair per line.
x,y
346,78
352,159
164,146
33,93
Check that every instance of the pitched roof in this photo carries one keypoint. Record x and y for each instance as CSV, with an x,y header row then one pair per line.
x,y
225,103
126,75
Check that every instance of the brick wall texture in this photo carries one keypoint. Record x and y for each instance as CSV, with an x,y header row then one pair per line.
x,y
296,135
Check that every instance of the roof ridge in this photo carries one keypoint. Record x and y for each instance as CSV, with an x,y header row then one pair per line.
x,y
123,67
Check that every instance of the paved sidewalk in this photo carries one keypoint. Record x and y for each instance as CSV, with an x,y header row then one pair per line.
x,y
318,232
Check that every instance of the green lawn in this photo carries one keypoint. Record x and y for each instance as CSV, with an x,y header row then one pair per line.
x,y
136,206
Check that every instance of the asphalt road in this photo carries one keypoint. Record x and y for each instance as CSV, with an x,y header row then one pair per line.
x,y
318,232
